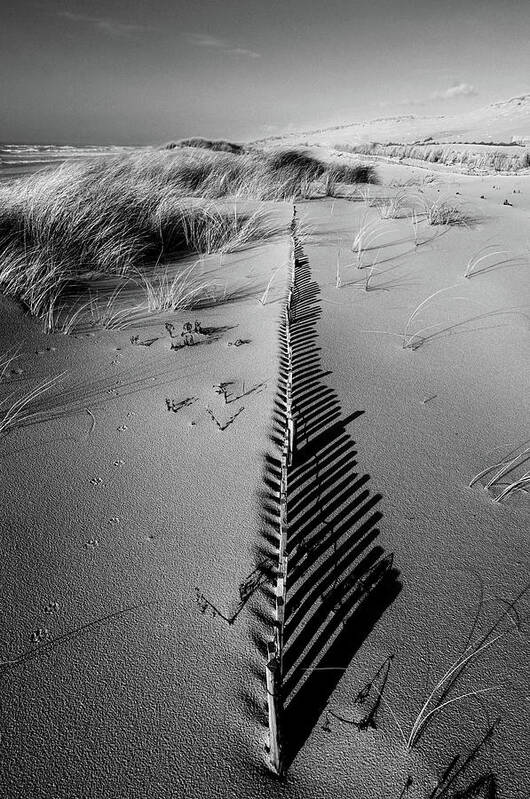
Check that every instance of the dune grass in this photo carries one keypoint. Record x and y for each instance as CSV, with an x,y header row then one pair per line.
x,y
489,158
171,293
415,225
414,339
15,410
445,211
502,470
366,237
487,258
439,697
118,215
348,174
402,204
6,359
216,145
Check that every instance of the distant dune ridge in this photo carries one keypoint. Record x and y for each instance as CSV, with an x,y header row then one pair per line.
x,y
505,121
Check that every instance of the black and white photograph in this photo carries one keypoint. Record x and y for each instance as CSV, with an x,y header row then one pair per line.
x,y
264,399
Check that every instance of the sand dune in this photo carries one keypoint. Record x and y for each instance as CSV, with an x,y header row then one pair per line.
x,y
140,513
504,121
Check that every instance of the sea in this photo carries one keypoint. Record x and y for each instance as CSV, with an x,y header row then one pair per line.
x,y
19,159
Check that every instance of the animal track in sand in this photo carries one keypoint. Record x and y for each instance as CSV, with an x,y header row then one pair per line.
x,y
135,340
39,635
177,405
224,425
92,543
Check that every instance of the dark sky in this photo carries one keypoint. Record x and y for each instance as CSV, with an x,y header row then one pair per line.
x,y
134,72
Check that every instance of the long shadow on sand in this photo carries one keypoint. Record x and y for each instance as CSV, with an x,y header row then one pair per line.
x,y
339,579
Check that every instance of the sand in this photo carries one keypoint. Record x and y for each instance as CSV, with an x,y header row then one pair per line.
x,y
125,524
497,122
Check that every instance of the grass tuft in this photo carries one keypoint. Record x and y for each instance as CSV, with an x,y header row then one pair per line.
x,y
13,412
445,212
6,359
115,216
216,145
503,469
180,292
481,260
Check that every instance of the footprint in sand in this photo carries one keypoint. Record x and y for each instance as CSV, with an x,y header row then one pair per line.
x,y
39,635
91,544
51,607
96,481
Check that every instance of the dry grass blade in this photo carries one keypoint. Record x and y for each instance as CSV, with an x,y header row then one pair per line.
x,y
400,205
65,319
110,316
482,255
484,472
13,412
415,223
265,296
506,467
472,650
503,468
458,664
338,279
413,341
518,485
6,359
181,292
368,234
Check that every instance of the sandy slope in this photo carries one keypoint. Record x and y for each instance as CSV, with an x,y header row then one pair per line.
x,y
431,419
136,510
497,122
133,508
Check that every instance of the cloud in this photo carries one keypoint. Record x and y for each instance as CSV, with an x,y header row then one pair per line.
x,y
111,27
221,45
453,92
457,90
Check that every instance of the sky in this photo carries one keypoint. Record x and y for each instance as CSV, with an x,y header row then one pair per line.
x,y
150,71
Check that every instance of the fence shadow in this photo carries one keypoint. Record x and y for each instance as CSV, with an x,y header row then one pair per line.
x,y
339,579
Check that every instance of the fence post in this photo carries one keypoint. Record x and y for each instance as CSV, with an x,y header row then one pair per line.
x,y
274,667
273,706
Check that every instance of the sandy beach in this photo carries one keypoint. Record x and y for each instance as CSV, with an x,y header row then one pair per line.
x,y
264,447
